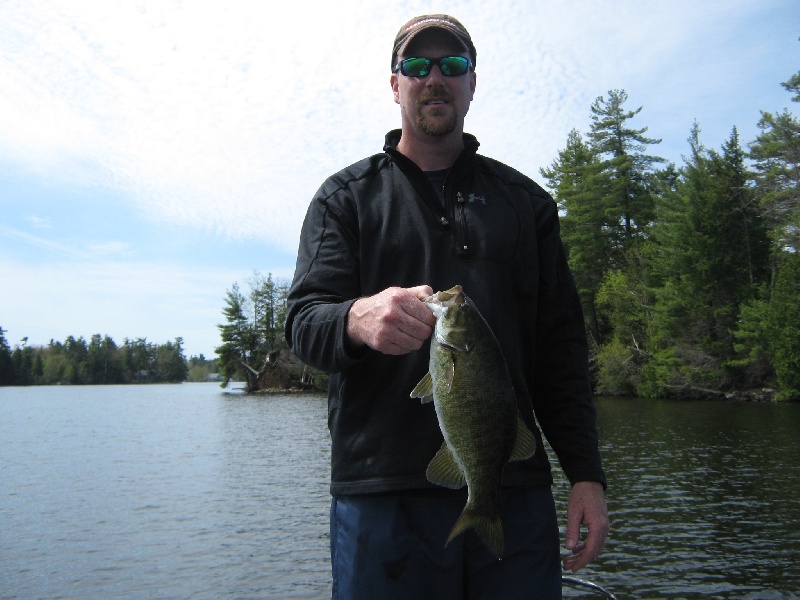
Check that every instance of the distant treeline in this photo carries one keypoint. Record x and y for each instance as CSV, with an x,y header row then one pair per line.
x,y
100,361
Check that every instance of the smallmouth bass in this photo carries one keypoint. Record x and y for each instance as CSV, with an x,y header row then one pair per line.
x,y
470,386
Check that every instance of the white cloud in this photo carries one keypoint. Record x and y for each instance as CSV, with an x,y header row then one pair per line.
x,y
39,222
56,247
108,248
66,248
209,113
232,114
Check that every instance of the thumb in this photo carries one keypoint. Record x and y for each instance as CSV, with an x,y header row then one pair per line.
x,y
421,291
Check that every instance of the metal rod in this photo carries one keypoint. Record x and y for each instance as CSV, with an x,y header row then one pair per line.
x,y
587,584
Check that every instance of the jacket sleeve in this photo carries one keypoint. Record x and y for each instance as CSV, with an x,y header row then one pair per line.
x,y
325,284
562,393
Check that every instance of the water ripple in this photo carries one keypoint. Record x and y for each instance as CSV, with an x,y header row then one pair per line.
x,y
186,492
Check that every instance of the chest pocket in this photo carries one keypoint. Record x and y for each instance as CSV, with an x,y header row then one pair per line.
x,y
486,228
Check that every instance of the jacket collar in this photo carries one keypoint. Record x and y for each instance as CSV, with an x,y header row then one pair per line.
x,y
393,138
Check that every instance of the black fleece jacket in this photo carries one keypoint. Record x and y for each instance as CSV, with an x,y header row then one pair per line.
x,y
379,223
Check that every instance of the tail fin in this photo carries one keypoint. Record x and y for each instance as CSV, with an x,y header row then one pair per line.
x,y
488,527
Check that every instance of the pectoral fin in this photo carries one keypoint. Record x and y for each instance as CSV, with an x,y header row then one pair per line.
x,y
451,373
524,444
443,470
424,389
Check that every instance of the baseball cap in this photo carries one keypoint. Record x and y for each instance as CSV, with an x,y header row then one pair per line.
x,y
445,22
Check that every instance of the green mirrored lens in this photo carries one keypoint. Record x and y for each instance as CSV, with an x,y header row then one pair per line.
x,y
416,67
453,65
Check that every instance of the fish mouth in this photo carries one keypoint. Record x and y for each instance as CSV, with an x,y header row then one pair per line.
x,y
444,298
441,300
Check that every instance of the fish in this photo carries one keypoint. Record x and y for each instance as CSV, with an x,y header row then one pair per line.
x,y
470,386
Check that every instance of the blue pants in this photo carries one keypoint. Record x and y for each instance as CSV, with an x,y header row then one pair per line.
x,y
385,547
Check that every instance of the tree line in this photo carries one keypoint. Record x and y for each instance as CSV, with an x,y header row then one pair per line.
x,y
689,275
99,361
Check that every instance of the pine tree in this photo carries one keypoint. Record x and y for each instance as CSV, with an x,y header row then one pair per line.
x,y
610,210
172,366
6,364
104,365
712,254
238,338
776,153
625,176
581,220
253,333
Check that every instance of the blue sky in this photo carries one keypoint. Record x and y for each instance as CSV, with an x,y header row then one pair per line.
x,y
154,152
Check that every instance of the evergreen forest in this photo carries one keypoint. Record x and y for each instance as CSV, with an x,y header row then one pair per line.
x,y
689,275
99,361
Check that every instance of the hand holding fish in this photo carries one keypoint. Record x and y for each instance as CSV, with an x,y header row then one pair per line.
x,y
394,321
586,506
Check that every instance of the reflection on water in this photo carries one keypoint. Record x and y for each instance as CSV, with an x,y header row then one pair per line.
x,y
186,492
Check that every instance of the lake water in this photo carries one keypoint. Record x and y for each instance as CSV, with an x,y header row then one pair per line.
x,y
184,491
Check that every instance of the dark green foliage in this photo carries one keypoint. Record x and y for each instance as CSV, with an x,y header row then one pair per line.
x,y
776,155
688,275
253,329
751,358
783,326
202,369
100,361
712,251
581,218
170,361
623,179
604,188
6,364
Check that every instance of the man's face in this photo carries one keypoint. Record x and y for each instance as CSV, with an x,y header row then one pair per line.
x,y
434,105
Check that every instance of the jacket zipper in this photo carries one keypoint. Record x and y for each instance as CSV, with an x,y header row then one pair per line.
x,y
461,218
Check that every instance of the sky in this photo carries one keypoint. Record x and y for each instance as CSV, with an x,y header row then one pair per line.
x,y
155,152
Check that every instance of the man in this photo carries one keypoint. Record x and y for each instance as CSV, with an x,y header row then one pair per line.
x,y
422,216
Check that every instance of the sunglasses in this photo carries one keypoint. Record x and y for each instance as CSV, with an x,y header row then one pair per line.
x,y
451,66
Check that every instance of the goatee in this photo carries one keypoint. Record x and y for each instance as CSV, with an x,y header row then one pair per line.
x,y
436,128
435,125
